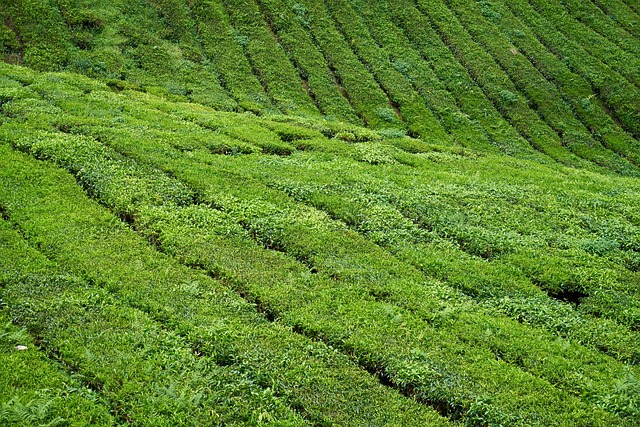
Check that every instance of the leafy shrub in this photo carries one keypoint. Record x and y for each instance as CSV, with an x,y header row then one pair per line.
x,y
346,136
508,97
34,413
387,114
624,399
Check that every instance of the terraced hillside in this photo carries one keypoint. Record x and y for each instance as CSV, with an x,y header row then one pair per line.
x,y
318,213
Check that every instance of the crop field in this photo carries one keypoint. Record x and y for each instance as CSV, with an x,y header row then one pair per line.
x,y
320,213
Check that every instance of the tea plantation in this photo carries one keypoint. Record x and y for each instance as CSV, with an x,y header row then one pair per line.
x,y
320,213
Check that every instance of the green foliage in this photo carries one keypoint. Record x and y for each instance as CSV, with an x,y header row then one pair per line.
x,y
34,390
614,91
508,97
33,413
623,399
387,114
392,289
468,258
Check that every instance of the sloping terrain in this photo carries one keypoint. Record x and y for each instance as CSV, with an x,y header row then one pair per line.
x,y
263,212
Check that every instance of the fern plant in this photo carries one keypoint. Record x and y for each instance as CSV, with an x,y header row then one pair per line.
x,y
35,412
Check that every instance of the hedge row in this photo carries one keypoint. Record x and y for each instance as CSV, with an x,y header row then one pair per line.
x,y
497,85
272,230
616,92
624,62
223,49
590,14
270,63
420,120
622,14
359,85
538,90
325,385
458,81
427,339
349,270
289,24
360,267
146,374
397,219
576,91
215,324
39,36
408,61
34,388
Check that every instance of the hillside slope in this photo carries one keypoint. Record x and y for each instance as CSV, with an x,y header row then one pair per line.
x,y
516,77
264,212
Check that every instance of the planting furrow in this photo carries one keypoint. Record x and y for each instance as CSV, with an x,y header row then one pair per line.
x,y
420,120
538,90
148,376
358,83
464,237
272,239
198,81
238,132
590,260
589,14
621,14
495,284
352,277
227,55
632,6
463,129
270,62
304,309
320,213
36,388
163,54
311,64
39,31
344,274
596,257
467,92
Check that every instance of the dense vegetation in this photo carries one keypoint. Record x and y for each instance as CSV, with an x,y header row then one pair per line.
x,y
315,213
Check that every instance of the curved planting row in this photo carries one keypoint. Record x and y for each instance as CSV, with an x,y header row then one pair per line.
x,y
411,106
211,212
497,84
162,343
599,21
575,90
539,91
514,269
472,100
615,91
289,25
444,71
621,13
408,61
624,62
228,57
266,54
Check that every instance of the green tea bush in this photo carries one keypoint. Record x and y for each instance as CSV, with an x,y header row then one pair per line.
x,y
277,359
323,272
